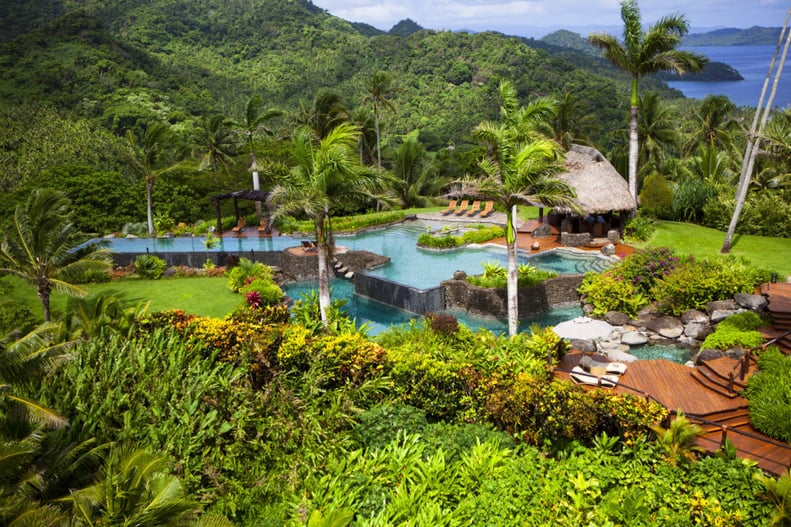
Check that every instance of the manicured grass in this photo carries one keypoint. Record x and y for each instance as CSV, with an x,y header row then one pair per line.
x,y
198,296
773,254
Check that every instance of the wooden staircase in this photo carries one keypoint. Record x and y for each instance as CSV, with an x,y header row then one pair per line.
x,y
779,297
723,376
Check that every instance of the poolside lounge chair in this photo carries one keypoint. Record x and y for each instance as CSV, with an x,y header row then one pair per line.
x,y
487,209
580,376
308,246
263,226
615,368
451,207
476,206
240,226
462,207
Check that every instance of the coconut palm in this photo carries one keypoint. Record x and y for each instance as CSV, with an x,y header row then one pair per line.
x,y
40,248
151,157
517,171
573,122
254,122
213,142
715,123
325,173
326,112
415,180
379,90
642,53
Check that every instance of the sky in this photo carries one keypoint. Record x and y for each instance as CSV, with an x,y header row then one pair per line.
x,y
536,18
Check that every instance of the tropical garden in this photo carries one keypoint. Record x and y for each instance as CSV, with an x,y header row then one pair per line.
x,y
127,121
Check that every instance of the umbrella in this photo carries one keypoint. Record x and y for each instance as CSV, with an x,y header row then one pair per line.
x,y
583,328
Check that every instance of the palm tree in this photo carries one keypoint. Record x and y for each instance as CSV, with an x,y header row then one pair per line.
x,y
778,492
379,90
214,142
678,441
151,157
642,53
715,123
325,173
254,122
573,122
326,112
135,488
415,179
40,248
517,171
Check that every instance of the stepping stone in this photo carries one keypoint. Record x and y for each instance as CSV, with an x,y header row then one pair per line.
x,y
349,275
633,338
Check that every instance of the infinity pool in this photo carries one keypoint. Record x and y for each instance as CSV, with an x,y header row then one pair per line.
x,y
409,264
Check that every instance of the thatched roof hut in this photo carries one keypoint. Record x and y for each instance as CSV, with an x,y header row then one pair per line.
x,y
599,187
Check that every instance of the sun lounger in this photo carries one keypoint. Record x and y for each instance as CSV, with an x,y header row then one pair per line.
x,y
240,226
615,368
580,376
263,226
487,209
451,207
464,204
476,206
308,246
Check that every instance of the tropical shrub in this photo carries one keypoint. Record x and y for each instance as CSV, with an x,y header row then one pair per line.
x,y
746,321
640,228
262,292
656,197
689,200
245,272
769,393
725,338
606,292
645,267
149,266
695,283
443,323
495,276
477,234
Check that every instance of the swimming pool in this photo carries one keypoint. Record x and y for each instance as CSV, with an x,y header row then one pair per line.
x,y
381,317
409,264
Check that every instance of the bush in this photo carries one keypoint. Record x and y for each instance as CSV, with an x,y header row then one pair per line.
x,y
478,234
645,267
149,266
94,277
640,228
769,393
443,323
690,197
656,196
746,321
606,292
695,283
728,337
245,272
495,276
264,291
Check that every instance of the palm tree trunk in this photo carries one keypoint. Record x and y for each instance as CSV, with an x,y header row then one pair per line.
x,y
634,149
44,294
753,144
324,279
513,275
378,146
149,208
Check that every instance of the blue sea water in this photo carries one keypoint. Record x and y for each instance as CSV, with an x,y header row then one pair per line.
x,y
753,63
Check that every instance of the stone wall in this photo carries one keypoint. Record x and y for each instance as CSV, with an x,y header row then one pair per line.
x,y
197,259
479,301
301,265
420,301
575,239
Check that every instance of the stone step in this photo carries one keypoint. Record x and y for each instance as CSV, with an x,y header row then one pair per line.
x,y
349,275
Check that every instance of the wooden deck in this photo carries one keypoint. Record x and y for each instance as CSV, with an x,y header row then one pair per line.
x,y
675,387
779,297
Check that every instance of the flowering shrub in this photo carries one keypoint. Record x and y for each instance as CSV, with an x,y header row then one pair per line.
x,y
262,292
646,266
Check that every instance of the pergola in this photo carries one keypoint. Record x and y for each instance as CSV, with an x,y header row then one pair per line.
x,y
249,195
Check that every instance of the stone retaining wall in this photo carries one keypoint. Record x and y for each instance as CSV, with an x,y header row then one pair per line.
x,y
483,302
197,259
575,239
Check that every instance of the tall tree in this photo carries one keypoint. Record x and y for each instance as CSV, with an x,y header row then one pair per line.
x,y
151,157
213,142
325,173
715,123
754,138
642,53
40,248
254,122
573,122
325,113
379,90
415,179
517,170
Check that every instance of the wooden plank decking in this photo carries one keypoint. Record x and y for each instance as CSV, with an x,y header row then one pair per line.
x,y
674,386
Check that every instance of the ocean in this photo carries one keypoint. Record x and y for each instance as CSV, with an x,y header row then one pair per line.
x,y
753,63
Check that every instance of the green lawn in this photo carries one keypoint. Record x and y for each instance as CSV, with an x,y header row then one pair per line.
x,y
199,296
767,253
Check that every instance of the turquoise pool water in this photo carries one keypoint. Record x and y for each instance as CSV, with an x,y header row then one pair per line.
x,y
409,265
381,316
671,353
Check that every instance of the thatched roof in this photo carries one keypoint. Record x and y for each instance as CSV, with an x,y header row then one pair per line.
x,y
600,188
